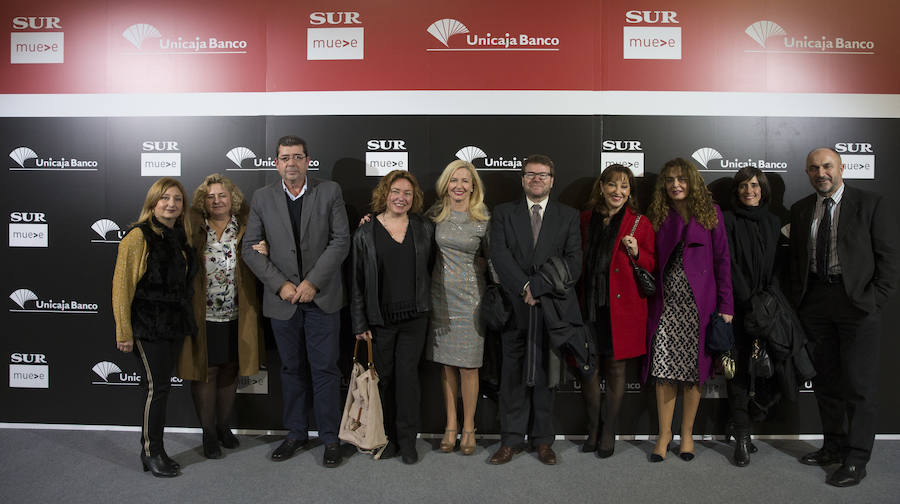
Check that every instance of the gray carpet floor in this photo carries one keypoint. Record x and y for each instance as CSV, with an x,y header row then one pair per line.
x,y
49,466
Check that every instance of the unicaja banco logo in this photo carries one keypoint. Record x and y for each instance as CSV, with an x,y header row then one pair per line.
x,y
105,226
105,368
140,35
501,40
707,155
29,302
443,29
472,153
22,156
239,154
137,33
762,31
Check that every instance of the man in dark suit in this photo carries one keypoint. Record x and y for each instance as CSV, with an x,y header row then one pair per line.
x,y
304,223
524,235
844,267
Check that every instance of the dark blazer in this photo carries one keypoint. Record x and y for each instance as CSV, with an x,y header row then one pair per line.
x,y
867,248
325,243
365,306
516,259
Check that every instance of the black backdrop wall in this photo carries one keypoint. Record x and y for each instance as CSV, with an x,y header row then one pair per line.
x,y
72,185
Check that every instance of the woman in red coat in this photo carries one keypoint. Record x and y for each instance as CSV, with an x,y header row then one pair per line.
x,y
611,231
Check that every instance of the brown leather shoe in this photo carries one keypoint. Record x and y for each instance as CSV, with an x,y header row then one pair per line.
x,y
504,455
546,454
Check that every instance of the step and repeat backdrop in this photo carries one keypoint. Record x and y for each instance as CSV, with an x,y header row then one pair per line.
x,y
98,99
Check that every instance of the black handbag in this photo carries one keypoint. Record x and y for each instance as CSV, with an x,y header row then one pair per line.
x,y
645,281
760,362
495,309
719,335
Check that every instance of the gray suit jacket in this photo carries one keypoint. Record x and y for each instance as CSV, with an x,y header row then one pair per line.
x,y
324,243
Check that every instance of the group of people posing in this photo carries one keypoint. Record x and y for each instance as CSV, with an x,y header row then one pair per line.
x,y
587,292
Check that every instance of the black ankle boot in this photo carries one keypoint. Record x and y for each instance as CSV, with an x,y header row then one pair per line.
x,y
742,448
159,467
228,439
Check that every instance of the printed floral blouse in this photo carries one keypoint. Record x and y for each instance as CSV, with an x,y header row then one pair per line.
x,y
220,257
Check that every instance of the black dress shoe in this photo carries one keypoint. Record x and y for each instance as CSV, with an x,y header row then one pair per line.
x,y
228,439
288,448
170,461
742,450
159,467
821,457
333,455
409,457
847,475
211,448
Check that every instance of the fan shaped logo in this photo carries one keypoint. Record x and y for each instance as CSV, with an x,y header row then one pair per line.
x,y
147,39
240,155
103,228
23,157
109,373
472,153
499,40
858,159
763,30
627,153
707,157
28,229
29,370
29,302
384,156
33,42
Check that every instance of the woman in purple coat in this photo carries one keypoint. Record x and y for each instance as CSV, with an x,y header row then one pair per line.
x,y
693,282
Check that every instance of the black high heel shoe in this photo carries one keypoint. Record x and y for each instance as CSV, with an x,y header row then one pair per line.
x,y
170,460
590,444
211,448
228,439
158,466
659,458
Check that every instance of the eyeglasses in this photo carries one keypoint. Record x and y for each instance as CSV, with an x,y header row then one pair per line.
x,y
537,175
295,157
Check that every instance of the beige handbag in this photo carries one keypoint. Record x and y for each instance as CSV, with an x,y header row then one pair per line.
x,y
362,423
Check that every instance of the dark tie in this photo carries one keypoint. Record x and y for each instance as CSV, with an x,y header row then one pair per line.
x,y
823,240
535,222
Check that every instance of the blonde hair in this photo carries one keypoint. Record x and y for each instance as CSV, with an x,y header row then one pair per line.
x,y
699,197
381,191
440,211
198,204
154,194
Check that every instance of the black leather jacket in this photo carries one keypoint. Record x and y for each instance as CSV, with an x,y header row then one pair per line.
x,y
365,309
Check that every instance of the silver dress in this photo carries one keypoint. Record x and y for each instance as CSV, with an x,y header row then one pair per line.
x,y
456,337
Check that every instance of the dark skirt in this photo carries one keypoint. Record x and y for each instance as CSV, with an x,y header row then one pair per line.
x,y
221,342
602,331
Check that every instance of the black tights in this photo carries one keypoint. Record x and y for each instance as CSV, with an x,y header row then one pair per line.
x,y
214,398
615,391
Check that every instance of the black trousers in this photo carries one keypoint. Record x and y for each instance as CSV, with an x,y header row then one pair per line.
x,y
520,403
398,351
157,360
844,342
739,386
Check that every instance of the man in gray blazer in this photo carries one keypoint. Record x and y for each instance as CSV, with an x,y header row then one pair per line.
x,y
304,223
845,264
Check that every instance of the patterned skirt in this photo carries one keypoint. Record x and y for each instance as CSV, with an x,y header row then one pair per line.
x,y
676,342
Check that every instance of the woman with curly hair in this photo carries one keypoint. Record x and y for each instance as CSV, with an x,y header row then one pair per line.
x,y
390,297
456,337
226,308
693,283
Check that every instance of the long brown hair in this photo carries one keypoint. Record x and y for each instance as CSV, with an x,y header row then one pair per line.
x,y
597,203
699,197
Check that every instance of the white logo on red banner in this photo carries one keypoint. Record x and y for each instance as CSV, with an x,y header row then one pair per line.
x,y
147,39
445,29
763,30
651,42
37,45
858,159
335,43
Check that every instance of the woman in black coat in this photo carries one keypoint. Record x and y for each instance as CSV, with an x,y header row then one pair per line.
x,y
753,233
